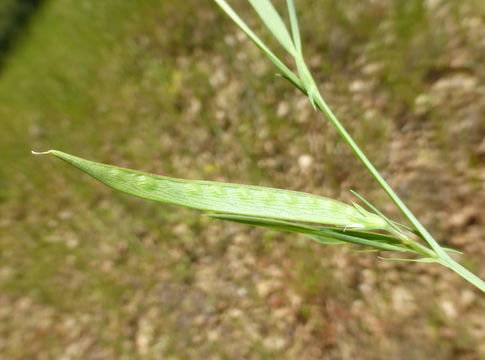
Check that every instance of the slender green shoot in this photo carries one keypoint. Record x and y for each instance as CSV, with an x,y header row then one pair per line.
x,y
295,29
274,23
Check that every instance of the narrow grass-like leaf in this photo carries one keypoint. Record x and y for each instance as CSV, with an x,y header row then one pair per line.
x,y
369,236
358,240
405,227
373,208
332,235
227,197
279,225
452,251
417,233
423,260
365,251
295,29
303,72
320,234
306,229
267,223
326,240
286,72
274,23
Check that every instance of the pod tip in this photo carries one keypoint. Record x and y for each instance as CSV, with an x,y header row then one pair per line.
x,y
41,153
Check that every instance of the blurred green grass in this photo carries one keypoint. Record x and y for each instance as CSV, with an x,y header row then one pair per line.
x,y
176,90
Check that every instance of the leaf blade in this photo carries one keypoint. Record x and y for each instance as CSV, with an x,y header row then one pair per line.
x,y
295,29
274,23
287,73
320,234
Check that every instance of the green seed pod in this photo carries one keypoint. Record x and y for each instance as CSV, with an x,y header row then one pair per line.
x,y
228,198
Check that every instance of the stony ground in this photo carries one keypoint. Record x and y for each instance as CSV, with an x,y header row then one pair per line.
x,y
89,273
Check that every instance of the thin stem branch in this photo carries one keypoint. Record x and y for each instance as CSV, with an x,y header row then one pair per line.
x,y
443,257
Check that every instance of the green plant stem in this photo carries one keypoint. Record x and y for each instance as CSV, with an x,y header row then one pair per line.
x,y
440,254
425,251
